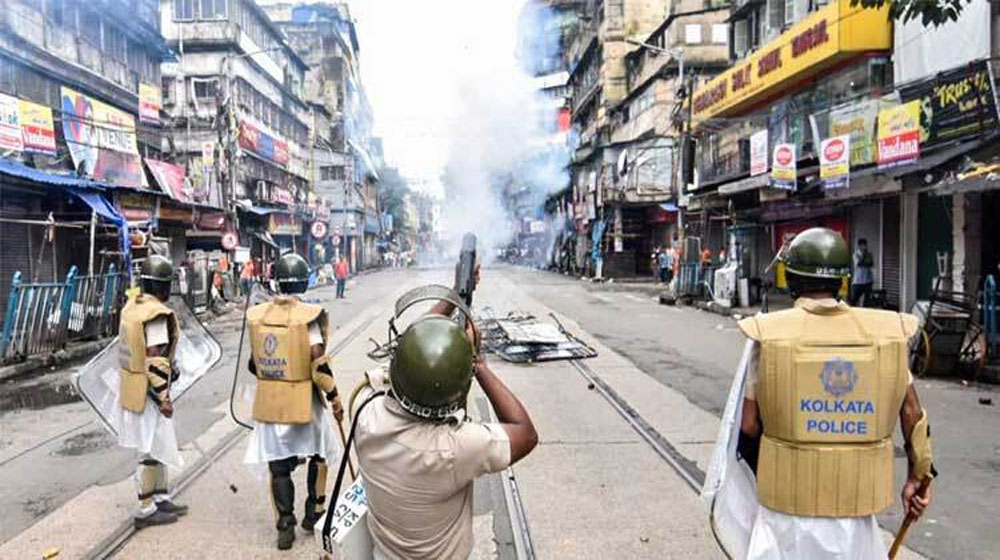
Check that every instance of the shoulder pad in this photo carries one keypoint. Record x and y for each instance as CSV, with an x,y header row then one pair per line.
x,y
306,313
911,324
887,323
257,312
750,327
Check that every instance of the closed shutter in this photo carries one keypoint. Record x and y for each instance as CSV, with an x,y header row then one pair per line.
x,y
14,250
890,251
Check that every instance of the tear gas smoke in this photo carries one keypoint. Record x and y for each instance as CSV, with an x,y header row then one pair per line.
x,y
504,156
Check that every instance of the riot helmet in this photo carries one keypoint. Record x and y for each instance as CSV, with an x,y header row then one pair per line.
x,y
156,275
431,369
816,260
292,273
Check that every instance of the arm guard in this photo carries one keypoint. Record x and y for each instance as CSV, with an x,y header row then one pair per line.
x,y
322,375
158,372
918,447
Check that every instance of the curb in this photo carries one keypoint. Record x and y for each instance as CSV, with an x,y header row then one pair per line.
x,y
58,357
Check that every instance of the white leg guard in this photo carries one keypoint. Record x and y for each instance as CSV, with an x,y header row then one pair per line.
x,y
146,477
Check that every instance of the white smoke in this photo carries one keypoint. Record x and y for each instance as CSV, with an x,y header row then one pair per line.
x,y
499,125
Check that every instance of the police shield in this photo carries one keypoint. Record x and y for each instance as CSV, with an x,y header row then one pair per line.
x,y
730,487
244,383
99,381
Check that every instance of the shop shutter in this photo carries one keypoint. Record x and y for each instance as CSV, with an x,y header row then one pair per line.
x,y
14,255
890,251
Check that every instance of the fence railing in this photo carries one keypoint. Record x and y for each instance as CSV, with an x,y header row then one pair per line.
x,y
42,317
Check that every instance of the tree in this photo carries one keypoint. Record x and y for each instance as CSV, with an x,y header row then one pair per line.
x,y
392,190
931,12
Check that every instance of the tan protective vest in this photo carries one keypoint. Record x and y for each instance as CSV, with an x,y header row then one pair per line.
x,y
279,341
831,380
132,347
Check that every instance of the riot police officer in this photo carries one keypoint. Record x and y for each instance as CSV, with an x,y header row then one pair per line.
x,y
417,448
148,336
288,356
825,385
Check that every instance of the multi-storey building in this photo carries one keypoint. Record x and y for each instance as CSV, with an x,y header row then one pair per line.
x,y
238,119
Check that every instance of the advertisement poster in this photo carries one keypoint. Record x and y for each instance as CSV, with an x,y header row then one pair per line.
x,y
10,124
835,162
37,129
150,103
263,144
208,154
101,140
170,178
758,153
953,104
899,134
284,224
783,171
857,120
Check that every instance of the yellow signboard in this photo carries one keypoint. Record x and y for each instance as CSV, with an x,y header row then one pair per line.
x,y
827,36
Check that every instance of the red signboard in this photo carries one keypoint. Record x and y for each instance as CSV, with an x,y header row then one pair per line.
x,y
263,144
170,178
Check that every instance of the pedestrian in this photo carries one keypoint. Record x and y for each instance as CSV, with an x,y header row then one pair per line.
x,y
818,428
288,341
148,338
417,447
665,262
861,283
341,272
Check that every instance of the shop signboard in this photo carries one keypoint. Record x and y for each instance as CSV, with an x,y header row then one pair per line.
x,y
758,152
280,223
899,134
783,171
101,140
134,207
37,129
10,124
265,145
208,154
283,196
955,104
835,162
150,103
857,120
171,178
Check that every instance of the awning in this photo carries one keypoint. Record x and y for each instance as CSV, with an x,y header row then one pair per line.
x,y
262,210
20,171
266,239
669,207
748,184
989,182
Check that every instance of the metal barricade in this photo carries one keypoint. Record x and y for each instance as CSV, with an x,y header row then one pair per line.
x,y
42,317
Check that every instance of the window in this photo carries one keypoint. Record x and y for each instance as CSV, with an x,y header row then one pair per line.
x,y
213,9
114,43
331,173
776,14
184,10
740,38
167,85
789,12
205,89
720,33
692,34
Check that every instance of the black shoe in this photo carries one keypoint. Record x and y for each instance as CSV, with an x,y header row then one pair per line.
x,y
310,519
286,537
167,506
156,518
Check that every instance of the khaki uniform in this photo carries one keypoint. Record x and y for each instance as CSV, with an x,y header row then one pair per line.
x,y
286,373
830,386
138,371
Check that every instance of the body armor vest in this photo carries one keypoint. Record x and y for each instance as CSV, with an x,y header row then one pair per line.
x,y
132,347
831,380
279,339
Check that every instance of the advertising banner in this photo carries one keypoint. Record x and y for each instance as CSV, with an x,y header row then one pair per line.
x,y
835,162
953,105
37,129
758,152
783,171
856,119
170,178
150,103
10,124
101,140
284,224
899,134
263,144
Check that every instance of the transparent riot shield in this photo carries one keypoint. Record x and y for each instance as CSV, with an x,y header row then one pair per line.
x,y
98,382
244,383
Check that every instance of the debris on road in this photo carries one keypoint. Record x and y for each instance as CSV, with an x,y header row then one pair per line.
x,y
521,338
986,401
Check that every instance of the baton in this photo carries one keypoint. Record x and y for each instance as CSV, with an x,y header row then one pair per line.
x,y
925,485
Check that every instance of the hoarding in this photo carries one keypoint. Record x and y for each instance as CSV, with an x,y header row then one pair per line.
x,y
783,167
835,162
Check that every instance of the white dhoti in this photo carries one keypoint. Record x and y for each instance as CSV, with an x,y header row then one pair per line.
x,y
273,442
779,536
150,433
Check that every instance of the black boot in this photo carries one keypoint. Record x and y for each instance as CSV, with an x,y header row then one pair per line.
x,y
283,494
316,489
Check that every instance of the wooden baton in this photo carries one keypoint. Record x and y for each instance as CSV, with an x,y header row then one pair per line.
x,y
925,485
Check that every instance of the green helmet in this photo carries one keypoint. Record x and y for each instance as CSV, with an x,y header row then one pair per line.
x,y
431,369
818,253
156,274
292,273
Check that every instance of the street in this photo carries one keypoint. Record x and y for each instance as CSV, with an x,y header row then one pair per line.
x,y
596,485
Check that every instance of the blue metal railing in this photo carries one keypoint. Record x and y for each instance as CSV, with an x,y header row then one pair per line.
x,y
990,317
42,317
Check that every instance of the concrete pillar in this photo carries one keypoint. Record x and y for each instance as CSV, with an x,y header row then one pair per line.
x,y
908,212
958,241
973,239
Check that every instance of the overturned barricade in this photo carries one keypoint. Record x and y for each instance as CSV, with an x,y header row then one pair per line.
x,y
522,338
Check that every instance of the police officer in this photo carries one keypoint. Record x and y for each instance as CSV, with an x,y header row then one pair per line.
x,y
824,388
288,356
419,451
148,335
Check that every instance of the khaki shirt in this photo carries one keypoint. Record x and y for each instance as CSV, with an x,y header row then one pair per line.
x,y
418,478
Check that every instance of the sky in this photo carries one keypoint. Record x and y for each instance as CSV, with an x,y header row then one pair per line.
x,y
416,58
